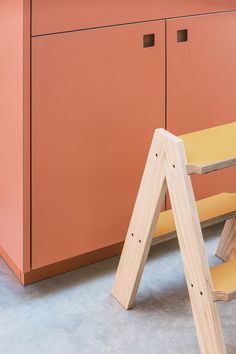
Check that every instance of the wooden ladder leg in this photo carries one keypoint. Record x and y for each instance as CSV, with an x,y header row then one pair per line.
x,y
192,249
226,248
142,226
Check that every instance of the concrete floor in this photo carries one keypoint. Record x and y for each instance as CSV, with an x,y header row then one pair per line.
x,y
75,313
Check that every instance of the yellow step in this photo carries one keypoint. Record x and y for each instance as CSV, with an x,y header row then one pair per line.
x,y
224,281
211,210
210,149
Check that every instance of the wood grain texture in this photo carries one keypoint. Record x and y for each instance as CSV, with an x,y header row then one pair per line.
x,y
192,249
211,167
226,249
211,210
171,163
142,225
224,281
210,149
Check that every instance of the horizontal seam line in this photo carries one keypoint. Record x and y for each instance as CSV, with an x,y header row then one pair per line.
x,y
131,23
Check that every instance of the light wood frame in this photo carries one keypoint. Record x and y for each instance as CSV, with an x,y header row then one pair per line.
x,y
166,166
226,249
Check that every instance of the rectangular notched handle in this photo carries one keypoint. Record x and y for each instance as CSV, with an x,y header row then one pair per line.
x,y
182,35
149,40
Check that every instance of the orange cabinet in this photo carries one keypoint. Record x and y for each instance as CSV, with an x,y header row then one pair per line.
x,y
92,124
53,16
201,83
83,86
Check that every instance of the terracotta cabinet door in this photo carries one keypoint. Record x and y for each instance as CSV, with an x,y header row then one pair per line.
x,y
97,96
201,83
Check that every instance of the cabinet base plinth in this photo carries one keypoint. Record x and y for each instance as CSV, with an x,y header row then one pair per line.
x,y
63,266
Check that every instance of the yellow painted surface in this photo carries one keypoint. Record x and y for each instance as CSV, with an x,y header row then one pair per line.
x,y
224,277
210,146
208,208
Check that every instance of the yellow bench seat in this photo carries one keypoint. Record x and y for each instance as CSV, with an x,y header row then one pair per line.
x,y
224,281
211,210
210,149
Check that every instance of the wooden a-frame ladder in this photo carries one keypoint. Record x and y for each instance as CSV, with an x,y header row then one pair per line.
x,y
166,168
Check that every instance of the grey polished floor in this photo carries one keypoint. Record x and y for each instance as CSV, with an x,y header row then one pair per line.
x,y
75,313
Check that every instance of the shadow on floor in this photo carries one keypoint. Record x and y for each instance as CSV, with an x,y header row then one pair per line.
x,y
97,271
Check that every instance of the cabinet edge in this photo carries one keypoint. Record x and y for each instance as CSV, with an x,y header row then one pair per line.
x,y
71,264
